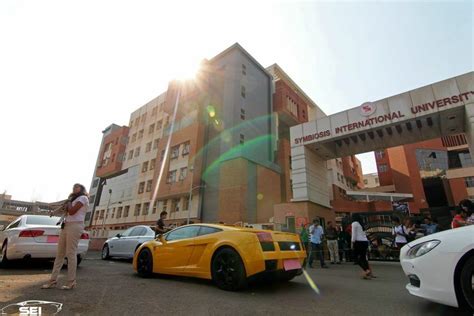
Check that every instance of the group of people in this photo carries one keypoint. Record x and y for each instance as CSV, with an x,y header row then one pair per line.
x,y
464,215
314,236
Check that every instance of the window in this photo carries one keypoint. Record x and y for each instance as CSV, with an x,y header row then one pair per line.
x,y
15,224
134,137
119,212
182,233
146,206
174,205
128,232
172,176
183,173
206,230
92,199
130,154
242,139
153,111
137,121
148,147
186,203
143,117
140,134
137,209
165,205
244,70
469,182
95,183
242,114
242,91
149,185
145,166
126,209
174,152
137,231
155,143
137,152
379,154
152,164
159,124
141,187
186,147
383,167
151,129
155,206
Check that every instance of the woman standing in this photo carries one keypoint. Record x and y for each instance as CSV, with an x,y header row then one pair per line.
x,y
360,245
71,230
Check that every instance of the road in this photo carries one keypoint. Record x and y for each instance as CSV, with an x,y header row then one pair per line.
x,y
112,288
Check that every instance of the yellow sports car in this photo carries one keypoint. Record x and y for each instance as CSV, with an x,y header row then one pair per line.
x,y
228,255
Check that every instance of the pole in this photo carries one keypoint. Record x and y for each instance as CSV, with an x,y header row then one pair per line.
x,y
191,170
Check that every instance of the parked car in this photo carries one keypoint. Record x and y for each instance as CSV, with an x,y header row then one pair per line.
x,y
440,267
227,255
35,236
125,244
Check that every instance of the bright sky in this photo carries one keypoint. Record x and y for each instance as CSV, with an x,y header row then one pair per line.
x,y
70,68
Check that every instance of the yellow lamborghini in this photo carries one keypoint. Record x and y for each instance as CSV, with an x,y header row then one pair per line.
x,y
228,255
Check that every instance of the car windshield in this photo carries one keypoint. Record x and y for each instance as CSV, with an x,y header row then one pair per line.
x,y
41,220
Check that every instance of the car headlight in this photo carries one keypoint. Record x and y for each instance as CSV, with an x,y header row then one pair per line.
x,y
422,249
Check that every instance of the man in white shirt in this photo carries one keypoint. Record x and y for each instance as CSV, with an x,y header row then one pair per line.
x,y
316,238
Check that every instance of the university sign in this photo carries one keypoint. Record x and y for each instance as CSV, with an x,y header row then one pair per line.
x,y
369,111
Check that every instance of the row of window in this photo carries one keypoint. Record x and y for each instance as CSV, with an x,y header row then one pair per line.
x,y
144,209
142,118
148,147
172,175
176,149
151,129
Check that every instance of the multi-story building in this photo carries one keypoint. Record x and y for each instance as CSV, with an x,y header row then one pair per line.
x,y
371,180
438,172
228,157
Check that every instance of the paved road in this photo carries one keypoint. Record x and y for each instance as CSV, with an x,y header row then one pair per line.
x,y
112,288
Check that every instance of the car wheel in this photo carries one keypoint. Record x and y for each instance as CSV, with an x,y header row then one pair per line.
x,y
467,284
286,276
228,270
105,252
145,263
3,255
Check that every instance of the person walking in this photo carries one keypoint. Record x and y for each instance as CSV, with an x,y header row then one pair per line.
x,y
360,245
332,242
316,237
72,228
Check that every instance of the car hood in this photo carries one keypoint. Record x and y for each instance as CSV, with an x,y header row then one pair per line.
x,y
450,233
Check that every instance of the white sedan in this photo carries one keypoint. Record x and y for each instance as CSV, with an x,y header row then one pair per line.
x,y
440,267
35,236
124,244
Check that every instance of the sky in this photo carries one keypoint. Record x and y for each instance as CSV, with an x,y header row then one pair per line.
x,y
68,69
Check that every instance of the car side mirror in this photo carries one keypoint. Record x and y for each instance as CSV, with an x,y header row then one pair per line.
x,y
118,235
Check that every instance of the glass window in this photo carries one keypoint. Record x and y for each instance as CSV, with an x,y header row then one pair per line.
x,y
145,166
206,230
172,176
242,91
137,151
183,173
186,148
182,233
96,183
148,147
149,185
155,143
174,152
134,137
141,187
151,129
469,182
126,210
14,224
146,206
185,203
130,154
127,232
41,220
137,209
152,164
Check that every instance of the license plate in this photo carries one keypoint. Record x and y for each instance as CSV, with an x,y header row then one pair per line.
x,y
52,239
291,264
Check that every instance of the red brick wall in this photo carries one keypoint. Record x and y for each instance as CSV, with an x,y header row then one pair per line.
x,y
118,148
458,190
282,91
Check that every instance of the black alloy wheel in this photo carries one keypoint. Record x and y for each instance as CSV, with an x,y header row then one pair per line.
x,y
105,252
145,263
467,284
228,271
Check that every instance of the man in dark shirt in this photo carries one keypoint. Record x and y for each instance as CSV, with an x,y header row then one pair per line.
x,y
160,224
331,236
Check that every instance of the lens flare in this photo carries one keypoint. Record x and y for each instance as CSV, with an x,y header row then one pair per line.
x,y
311,282
260,196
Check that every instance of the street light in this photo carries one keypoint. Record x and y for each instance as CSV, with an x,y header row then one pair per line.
x,y
191,189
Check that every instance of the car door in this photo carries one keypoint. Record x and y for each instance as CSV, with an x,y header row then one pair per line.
x,y
173,254
131,242
200,260
116,245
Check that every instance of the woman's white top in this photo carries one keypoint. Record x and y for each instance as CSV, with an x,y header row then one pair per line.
x,y
358,233
399,232
81,213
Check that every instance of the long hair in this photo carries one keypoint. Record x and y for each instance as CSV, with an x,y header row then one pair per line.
x,y
74,196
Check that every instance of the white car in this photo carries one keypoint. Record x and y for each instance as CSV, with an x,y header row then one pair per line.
x,y
124,244
440,267
35,236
